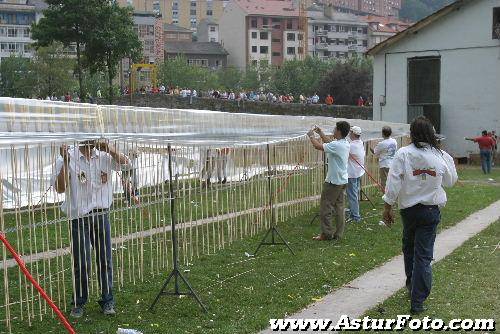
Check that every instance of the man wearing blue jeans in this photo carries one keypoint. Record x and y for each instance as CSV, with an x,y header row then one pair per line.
x,y
486,145
416,179
355,170
83,174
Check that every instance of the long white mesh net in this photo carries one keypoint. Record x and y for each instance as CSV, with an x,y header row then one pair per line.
x,y
220,170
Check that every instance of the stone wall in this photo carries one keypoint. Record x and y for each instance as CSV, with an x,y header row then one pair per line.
x,y
177,102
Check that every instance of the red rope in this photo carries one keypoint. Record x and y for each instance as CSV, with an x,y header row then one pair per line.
x,y
44,295
368,173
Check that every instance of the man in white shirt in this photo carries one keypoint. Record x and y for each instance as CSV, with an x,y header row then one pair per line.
x,y
355,170
385,151
83,174
332,197
416,179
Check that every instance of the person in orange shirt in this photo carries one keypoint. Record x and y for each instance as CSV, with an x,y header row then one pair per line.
x,y
329,100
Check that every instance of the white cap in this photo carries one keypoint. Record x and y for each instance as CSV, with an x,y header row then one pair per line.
x,y
356,130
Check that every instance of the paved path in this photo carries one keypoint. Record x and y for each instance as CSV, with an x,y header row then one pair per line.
x,y
375,286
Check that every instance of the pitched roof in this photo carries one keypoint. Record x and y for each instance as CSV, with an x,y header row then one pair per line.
x,y
202,48
413,29
176,28
269,7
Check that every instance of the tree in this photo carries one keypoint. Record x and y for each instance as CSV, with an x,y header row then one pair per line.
x,y
16,77
250,79
348,80
69,22
52,69
114,40
177,72
229,78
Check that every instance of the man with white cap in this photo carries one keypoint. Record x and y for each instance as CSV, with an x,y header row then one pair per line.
x,y
355,170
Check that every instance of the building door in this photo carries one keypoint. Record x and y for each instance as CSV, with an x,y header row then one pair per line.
x,y
424,79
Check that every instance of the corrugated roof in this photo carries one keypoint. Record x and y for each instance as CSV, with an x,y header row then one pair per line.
x,y
176,28
202,48
269,7
418,26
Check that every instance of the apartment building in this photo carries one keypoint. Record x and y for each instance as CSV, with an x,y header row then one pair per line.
x,y
16,17
381,28
185,13
208,31
365,7
261,32
150,29
333,34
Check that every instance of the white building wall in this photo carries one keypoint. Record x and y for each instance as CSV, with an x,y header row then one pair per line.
x,y
233,35
257,42
213,36
470,74
293,44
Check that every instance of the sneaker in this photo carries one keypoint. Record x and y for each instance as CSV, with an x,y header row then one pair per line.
x,y
109,309
77,312
415,310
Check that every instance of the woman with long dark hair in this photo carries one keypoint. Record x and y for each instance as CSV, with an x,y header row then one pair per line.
x,y
416,179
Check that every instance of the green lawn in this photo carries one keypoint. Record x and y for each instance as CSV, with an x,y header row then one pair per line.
x,y
460,290
242,292
475,173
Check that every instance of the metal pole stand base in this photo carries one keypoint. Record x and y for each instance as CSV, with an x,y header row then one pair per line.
x,y
274,233
175,275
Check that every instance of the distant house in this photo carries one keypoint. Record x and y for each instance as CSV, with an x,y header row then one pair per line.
x,y
381,28
174,33
208,31
446,67
205,54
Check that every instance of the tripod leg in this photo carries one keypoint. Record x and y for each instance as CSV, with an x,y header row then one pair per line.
x,y
368,198
191,290
314,218
262,241
162,290
283,239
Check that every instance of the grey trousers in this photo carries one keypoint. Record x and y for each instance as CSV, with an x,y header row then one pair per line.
x,y
332,200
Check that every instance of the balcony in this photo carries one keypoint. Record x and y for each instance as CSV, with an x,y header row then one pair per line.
x,y
335,35
322,46
321,32
337,48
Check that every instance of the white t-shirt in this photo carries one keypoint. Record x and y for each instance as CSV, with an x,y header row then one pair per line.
x,y
90,182
417,176
356,159
385,151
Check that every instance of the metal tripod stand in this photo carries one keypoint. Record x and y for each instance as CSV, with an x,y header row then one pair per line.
x,y
175,275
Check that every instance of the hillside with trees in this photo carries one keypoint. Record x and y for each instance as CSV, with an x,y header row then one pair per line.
x,y
415,10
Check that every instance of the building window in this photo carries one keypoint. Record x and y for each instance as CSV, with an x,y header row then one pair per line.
x,y
212,29
276,40
289,24
175,14
12,32
265,21
254,48
192,12
156,6
193,23
300,37
276,54
496,23
198,62
424,80
365,43
193,3
275,20
264,50
290,36
212,39
253,23
290,50
264,35
175,5
300,50
254,34
175,21
210,12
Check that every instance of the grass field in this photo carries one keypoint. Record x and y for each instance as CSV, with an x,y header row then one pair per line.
x,y
460,290
243,292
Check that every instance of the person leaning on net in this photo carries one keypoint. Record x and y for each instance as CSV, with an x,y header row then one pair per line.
x,y
83,174
416,179
332,196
